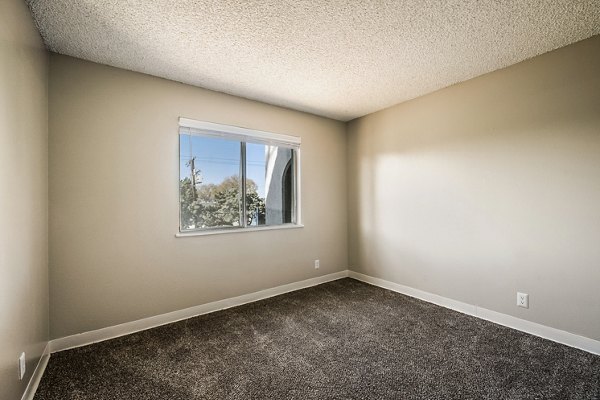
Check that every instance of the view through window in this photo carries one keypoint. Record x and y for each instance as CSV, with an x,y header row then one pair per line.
x,y
216,169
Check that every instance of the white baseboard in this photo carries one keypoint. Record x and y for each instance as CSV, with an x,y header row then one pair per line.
x,y
127,328
546,332
34,381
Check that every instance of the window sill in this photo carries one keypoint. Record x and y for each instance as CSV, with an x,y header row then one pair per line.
x,y
238,230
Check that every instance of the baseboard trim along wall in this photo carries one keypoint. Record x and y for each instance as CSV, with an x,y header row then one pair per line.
x,y
99,335
34,381
546,332
86,338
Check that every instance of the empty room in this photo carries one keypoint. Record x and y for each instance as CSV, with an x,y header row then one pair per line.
x,y
230,199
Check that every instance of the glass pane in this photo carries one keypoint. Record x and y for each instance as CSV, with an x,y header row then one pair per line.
x,y
269,184
209,182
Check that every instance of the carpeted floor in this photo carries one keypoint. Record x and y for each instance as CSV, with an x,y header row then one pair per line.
x,y
340,340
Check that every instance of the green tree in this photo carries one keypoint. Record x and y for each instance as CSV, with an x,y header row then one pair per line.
x,y
212,205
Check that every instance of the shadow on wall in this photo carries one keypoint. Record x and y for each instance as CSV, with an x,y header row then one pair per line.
x,y
486,186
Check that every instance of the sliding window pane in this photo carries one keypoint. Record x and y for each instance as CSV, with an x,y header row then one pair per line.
x,y
209,181
269,184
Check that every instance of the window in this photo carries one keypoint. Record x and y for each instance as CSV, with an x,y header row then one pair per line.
x,y
219,163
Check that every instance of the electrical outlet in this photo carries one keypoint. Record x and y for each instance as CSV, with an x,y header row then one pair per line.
x,y
317,264
22,366
523,300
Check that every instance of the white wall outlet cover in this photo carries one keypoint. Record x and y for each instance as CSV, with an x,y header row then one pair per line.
x,y
523,300
22,366
317,264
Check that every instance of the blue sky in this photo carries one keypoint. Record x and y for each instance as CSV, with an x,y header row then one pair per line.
x,y
218,159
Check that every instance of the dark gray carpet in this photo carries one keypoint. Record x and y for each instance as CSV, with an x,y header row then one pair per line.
x,y
339,340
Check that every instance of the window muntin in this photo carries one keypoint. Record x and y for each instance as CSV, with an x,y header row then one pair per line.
x,y
216,166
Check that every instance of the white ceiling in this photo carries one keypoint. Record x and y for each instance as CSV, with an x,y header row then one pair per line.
x,y
340,59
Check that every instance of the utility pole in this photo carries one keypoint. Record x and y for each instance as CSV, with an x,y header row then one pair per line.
x,y
192,164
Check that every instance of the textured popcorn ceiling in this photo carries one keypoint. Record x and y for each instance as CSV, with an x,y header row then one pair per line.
x,y
341,59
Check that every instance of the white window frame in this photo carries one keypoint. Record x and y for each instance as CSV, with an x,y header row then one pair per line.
x,y
205,128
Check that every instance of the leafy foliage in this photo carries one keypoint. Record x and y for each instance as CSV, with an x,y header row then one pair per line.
x,y
211,205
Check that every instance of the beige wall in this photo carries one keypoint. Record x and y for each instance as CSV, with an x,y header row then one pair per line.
x,y
488,187
23,197
114,200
